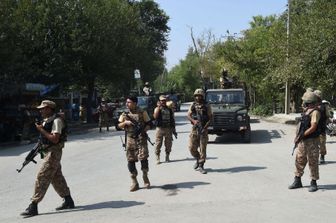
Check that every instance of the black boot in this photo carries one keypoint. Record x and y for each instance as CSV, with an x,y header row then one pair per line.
x,y
67,204
31,210
313,186
201,168
196,165
100,129
296,184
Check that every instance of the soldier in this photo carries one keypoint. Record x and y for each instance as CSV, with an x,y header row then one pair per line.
x,y
136,123
200,115
147,89
52,136
103,115
325,115
308,147
165,123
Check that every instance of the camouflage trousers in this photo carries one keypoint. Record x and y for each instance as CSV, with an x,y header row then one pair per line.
x,y
103,120
166,135
51,172
136,149
198,141
323,140
308,151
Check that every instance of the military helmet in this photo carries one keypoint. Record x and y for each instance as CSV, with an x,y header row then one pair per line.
x,y
162,98
318,93
199,91
309,97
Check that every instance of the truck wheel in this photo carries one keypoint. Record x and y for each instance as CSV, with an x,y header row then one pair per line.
x,y
246,136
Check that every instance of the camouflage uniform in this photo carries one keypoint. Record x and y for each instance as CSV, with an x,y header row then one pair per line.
x,y
136,147
197,140
52,138
50,171
103,116
308,148
164,130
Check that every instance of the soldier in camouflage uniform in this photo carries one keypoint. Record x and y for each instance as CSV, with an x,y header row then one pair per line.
x,y
308,147
165,123
200,115
136,145
103,115
52,136
325,115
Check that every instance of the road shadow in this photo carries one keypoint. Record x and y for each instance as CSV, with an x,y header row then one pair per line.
x,y
236,169
327,162
189,159
257,137
97,206
174,189
327,187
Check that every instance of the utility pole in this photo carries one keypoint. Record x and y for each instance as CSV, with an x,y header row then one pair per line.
x,y
287,93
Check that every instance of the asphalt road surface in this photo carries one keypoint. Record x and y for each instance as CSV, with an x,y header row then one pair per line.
x,y
245,182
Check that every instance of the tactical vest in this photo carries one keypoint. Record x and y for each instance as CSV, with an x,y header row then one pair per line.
x,y
48,127
137,116
165,118
200,112
305,124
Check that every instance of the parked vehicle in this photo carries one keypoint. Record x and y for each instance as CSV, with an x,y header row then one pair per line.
x,y
230,112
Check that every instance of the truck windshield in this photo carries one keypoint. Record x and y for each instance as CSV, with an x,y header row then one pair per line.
x,y
226,97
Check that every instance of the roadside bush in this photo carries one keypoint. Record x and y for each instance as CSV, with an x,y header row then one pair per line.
x,y
262,110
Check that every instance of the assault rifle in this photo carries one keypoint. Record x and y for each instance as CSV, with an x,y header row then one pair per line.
x,y
175,133
31,155
299,136
139,130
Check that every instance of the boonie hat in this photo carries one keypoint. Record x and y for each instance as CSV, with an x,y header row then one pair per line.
x,y
47,103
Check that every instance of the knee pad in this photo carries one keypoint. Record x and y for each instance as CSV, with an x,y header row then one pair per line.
x,y
131,166
144,164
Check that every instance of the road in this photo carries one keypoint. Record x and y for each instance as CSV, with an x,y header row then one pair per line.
x,y
245,182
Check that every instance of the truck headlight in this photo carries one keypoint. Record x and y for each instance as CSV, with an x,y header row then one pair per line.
x,y
240,118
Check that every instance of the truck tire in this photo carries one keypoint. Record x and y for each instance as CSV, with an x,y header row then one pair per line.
x,y
246,136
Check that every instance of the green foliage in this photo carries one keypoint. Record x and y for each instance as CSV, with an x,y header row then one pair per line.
x,y
262,110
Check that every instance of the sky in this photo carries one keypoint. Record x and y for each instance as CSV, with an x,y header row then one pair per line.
x,y
218,16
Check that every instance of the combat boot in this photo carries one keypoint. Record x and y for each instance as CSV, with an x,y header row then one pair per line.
x,y
135,184
196,165
158,159
167,157
68,203
322,161
145,179
201,168
31,210
313,186
100,129
107,128
296,184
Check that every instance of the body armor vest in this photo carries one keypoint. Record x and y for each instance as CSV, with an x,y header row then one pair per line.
x,y
48,127
200,112
165,118
305,124
137,115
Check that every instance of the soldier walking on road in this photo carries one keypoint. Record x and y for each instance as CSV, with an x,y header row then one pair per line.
x,y
200,115
136,140
165,123
103,115
308,146
52,136
325,115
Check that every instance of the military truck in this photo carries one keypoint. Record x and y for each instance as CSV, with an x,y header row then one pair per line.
x,y
230,112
